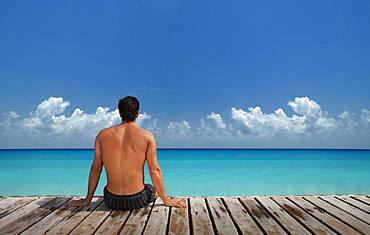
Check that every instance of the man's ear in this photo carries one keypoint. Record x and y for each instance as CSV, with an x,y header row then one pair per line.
x,y
137,115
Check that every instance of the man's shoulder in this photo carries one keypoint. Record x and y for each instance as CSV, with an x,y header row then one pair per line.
x,y
105,132
145,133
109,131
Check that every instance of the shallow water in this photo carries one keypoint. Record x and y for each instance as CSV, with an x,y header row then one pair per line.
x,y
197,172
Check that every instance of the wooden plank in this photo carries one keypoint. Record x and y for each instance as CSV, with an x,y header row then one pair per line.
x,y
241,217
358,204
114,222
345,214
201,222
179,221
51,220
323,216
69,223
33,205
92,222
299,214
10,204
157,223
340,214
224,224
282,216
29,219
348,208
362,199
137,220
269,225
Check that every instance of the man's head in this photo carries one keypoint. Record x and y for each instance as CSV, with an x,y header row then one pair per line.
x,y
128,108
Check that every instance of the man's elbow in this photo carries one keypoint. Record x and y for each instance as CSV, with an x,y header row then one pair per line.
x,y
155,170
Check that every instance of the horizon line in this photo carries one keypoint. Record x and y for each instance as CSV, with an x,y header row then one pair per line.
x,y
197,148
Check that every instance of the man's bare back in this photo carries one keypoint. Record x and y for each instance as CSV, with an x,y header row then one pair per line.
x,y
124,149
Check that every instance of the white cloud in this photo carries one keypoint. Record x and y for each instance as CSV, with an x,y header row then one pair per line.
x,y
213,130
141,118
365,115
84,123
52,106
304,106
13,115
181,129
345,120
153,127
309,125
344,115
46,110
308,117
217,119
49,119
177,133
316,117
9,119
152,88
254,121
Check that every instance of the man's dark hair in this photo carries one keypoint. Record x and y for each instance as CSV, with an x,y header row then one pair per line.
x,y
128,108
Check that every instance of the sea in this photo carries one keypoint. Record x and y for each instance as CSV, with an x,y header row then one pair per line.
x,y
197,172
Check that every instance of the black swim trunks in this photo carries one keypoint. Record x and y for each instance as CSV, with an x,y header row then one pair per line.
x,y
129,202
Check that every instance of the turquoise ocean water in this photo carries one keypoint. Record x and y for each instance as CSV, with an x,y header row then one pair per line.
x,y
195,172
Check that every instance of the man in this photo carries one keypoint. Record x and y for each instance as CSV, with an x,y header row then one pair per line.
x,y
123,150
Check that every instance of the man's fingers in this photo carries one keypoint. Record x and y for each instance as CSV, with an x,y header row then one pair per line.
x,y
181,204
71,203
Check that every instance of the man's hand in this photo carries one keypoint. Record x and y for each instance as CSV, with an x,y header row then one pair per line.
x,y
176,202
79,202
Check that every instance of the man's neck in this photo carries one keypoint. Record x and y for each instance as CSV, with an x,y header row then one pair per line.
x,y
128,123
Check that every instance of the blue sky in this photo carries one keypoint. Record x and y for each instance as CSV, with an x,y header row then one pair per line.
x,y
185,60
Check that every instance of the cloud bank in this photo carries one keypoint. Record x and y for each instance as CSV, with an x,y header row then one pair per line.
x,y
308,126
308,118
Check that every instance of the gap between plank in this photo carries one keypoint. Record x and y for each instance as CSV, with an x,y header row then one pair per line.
x,y
335,231
190,218
231,216
344,210
271,214
211,217
251,214
300,222
330,213
349,203
147,219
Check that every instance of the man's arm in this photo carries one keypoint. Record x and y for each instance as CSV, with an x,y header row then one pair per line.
x,y
94,176
95,170
157,177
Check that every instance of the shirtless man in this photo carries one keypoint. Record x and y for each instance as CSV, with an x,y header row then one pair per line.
x,y
123,150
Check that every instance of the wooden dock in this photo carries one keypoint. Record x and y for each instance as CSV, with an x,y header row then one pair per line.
x,y
349,214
